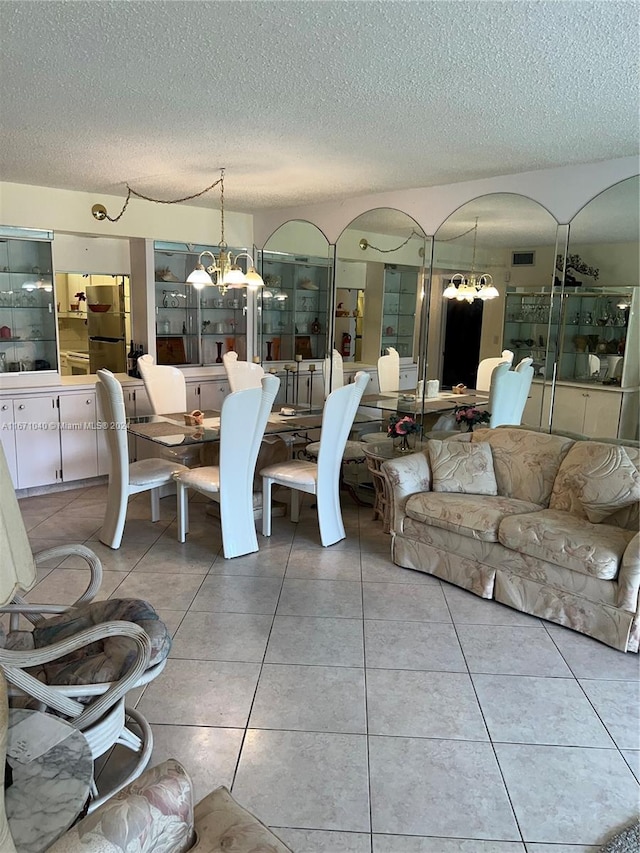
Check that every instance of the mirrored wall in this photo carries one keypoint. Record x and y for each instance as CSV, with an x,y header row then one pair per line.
x,y
294,307
380,285
596,393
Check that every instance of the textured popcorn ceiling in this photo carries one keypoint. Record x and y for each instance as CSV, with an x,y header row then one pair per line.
x,y
310,101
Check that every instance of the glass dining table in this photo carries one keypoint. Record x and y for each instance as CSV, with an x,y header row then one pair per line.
x,y
409,403
171,430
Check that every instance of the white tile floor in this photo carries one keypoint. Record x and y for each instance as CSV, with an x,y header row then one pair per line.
x,y
357,706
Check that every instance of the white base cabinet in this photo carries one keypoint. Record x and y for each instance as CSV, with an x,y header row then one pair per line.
x,y
8,438
79,436
37,436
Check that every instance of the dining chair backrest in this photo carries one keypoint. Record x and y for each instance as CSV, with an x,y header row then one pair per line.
x,y
332,372
17,566
165,386
487,366
508,394
594,364
389,371
110,399
242,374
337,419
523,363
243,420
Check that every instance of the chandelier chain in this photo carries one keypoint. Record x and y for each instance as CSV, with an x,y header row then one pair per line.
x,y
131,191
404,243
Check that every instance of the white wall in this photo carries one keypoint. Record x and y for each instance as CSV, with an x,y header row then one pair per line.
x,y
66,210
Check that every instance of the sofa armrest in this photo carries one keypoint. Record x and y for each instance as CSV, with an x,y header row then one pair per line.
x,y
405,477
222,823
155,812
629,576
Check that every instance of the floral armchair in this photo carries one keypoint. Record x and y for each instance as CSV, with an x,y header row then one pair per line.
x,y
155,814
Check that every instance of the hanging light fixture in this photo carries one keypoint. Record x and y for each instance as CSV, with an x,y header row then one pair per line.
x,y
472,286
228,273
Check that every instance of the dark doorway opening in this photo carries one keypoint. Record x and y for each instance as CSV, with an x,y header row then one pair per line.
x,y
462,342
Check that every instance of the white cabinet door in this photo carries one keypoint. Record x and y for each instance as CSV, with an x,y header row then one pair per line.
x,y
193,396
212,393
408,378
8,438
78,436
589,411
602,413
532,414
37,441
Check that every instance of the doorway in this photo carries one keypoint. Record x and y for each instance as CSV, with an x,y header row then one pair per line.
x,y
461,355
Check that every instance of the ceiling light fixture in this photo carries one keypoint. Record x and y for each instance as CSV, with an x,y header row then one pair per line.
x,y
472,286
228,272
225,267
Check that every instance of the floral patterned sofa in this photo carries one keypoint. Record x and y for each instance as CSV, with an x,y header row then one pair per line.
x,y
543,523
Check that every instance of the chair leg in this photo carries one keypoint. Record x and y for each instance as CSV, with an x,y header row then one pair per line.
x,y
266,506
330,517
114,518
295,505
183,510
155,504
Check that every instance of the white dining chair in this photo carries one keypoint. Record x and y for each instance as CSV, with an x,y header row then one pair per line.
x,y
389,371
488,365
165,386
242,374
167,392
125,478
332,372
523,364
321,478
508,394
594,364
243,419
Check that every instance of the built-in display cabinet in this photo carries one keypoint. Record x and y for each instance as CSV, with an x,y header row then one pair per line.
x,y
293,307
194,326
585,331
399,309
28,331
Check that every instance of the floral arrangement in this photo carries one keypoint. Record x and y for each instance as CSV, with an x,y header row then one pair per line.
x,y
401,426
80,296
575,262
471,416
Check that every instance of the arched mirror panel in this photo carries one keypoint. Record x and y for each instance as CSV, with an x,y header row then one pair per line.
x,y
596,391
379,290
294,307
492,289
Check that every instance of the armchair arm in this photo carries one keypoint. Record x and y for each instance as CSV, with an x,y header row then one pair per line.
x,y
405,477
153,813
629,576
95,579
14,663
222,823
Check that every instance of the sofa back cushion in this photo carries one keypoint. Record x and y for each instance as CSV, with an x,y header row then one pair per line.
x,y
594,478
525,463
465,468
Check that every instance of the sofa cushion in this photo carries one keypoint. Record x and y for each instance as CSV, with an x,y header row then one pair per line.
x,y
596,481
525,463
462,468
476,517
567,541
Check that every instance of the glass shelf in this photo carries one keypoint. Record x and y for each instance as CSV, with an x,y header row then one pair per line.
x,y
23,310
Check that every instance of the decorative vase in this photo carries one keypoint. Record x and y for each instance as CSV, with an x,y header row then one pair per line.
x,y
219,358
269,356
403,444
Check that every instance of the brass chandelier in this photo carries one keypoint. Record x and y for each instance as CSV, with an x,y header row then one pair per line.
x,y
472,286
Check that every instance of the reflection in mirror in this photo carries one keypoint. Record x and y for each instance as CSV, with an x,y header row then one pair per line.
x,y
294,305
512,239
598,372
379,289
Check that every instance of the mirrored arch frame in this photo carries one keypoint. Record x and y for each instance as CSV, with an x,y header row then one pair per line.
x,y
566,234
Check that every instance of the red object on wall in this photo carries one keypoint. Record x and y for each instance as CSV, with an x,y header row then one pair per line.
x,y
345,349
